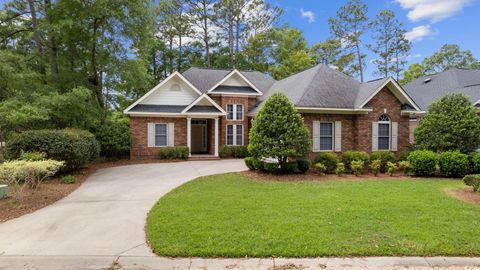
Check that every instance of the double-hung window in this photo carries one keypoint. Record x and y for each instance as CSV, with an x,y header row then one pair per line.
x,y
326,136
235,112
384,133
161,131
234,134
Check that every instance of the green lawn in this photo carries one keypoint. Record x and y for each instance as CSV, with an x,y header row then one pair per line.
x,y
230,215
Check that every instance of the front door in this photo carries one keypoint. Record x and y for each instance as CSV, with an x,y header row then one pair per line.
x,y
199,137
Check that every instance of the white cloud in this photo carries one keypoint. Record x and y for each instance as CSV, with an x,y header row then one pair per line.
x,y
433,10
419,33
309,15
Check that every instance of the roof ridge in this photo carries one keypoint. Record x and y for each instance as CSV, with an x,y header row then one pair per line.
x,y
311,80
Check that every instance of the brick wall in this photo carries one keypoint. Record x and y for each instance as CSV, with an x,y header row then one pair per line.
x,y
139,135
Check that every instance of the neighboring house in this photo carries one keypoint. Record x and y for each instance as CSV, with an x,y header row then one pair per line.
x,y
207,108
427,89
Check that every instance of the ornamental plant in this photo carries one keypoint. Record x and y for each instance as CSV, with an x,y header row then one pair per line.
x,y
452,123
320,168
278,131
340,169
28,173
453,164
357,167
472,180
375,166
328,159
391,168
423,162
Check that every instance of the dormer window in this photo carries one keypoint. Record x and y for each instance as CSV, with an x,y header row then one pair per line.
x,y
175,87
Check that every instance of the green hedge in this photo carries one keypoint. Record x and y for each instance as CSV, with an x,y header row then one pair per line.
x,y
472,180
349,156
423,162
476,162
453,164
384,157
75,147
114,139
227,151
328,159
176,152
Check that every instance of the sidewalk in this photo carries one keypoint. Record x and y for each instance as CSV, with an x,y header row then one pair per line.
x,y
159,263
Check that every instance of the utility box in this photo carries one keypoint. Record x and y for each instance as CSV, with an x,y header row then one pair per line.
x,y
3,191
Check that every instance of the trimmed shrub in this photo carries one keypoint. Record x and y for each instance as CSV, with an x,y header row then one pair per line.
x,y
384,157
476,162
340,169
249,162
320,168
32,156
272,168
472,180
453,164
391,168
357,167
303,165
68,179
176,152
403,155
376,166
258,165
114,138
328,159
423,162
349,156
30,173
227,151
75,147
289,167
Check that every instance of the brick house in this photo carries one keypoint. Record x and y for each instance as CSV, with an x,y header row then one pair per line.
x,y
207,108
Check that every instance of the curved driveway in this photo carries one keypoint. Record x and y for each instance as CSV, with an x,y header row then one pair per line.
x,y
106,215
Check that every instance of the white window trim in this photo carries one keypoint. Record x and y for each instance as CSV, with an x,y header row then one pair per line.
x,y
320,136
234,117
389,135
155,135
234,131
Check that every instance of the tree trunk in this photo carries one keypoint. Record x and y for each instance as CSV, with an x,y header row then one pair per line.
x,y
95,77
52,44
170,54
360,62
205,36
179,61
36,35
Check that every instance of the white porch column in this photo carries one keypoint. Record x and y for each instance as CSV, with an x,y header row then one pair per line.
x,y
189,136
216,138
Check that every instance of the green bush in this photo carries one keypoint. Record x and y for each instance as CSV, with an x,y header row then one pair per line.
x,y
328,159
391,168
340,169
258,165
278,130
357,167
384,157
349,156
376,166
476,162
227,151
68,179
32,156
271,167
403,156
75,147
30,173
175,152
320,168
289,167
423,162
472,180
303,165
404,166
453,164
2,159
249,162
114,138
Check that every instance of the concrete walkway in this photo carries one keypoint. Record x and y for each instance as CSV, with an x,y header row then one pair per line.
x,y
101,226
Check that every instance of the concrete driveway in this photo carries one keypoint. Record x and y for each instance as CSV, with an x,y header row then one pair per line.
x,y
106,215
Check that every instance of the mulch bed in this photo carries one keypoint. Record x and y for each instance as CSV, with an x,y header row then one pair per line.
x,y
466,195
312,176
54,189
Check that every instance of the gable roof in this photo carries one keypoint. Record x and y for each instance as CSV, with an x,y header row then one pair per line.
x,y
196,107
427,89
204,79
324,87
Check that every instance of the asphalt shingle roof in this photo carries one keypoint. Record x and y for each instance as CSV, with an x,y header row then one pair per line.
x,y
235,89
424,92
158,108
203,109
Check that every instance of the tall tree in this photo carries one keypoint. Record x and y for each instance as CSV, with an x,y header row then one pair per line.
x,y
204,18
349,25
413,72
401,50
449,56
330,53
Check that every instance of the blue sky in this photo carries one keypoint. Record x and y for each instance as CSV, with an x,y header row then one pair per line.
x,y
435,22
